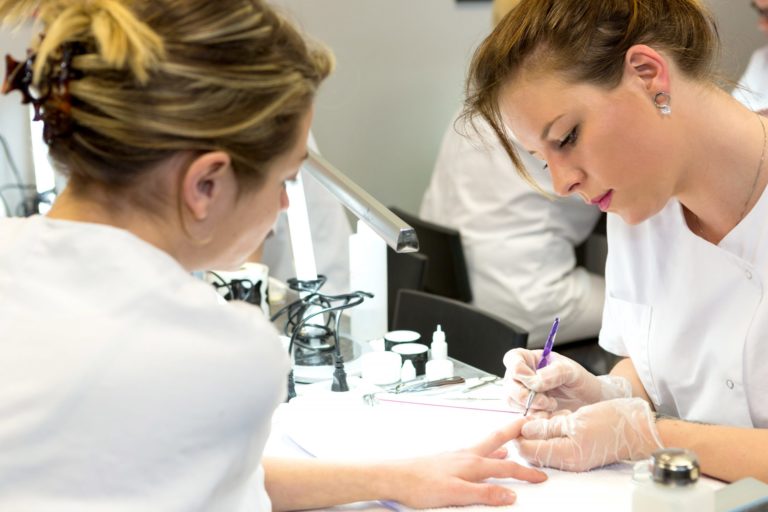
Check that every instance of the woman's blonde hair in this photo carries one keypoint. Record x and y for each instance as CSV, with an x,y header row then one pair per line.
x,y
152,78
585,41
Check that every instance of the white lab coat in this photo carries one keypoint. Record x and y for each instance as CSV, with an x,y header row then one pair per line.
x,y
692,315
330,230
125,383
752,90
519,244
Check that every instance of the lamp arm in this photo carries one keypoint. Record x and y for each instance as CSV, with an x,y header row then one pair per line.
x,y
392,229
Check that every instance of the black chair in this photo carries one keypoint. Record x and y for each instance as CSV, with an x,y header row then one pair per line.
x,y
447,273
474,337
404,271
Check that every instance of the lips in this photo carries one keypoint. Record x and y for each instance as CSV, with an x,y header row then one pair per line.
x,y
604,201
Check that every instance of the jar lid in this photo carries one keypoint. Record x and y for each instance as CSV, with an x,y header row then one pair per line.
x,y
675,467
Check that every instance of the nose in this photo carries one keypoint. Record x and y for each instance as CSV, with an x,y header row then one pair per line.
x,y
566,179
284,201
762,24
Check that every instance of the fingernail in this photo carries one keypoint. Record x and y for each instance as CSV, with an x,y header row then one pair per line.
x,y
509,496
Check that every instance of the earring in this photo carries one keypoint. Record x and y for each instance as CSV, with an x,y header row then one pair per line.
x,y
661,101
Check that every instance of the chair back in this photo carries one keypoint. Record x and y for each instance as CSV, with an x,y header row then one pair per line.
x,y
447,273
404,271
474,336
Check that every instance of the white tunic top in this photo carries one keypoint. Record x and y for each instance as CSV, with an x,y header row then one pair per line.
x,y
125,383
692,315
519,244
753,84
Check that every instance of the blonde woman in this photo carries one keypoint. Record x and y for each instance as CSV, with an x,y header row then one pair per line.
x,y
124,384
619,99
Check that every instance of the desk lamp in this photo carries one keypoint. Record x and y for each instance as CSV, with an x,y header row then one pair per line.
x,y
312,304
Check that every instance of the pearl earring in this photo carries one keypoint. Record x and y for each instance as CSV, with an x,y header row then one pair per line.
x,y
661,101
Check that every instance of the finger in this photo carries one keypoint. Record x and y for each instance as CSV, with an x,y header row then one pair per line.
x,y
556,374
483,494
555,426
521,362
501,453
509,469
517,395
498,438
560,453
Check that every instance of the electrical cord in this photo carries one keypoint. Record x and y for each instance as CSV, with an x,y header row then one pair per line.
x,y
309,307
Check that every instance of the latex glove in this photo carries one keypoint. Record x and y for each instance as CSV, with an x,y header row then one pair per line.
x,y
562,384
458,478
593,436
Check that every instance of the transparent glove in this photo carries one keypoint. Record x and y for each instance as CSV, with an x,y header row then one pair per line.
x,y
593,436
562,384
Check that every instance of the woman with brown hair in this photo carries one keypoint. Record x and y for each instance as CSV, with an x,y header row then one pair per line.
x,y
619,98
124,383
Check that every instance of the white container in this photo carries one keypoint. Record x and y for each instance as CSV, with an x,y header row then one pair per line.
x,y
439,369
380,368
438,349
670,483
368,272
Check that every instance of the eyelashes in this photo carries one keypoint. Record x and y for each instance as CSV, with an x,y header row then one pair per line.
x,y
569,140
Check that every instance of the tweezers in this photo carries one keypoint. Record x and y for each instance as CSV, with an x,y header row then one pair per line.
x,y
420,386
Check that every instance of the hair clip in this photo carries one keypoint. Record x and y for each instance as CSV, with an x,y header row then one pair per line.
x,y
18,77
53,104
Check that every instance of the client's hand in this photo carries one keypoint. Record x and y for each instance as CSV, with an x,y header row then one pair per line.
x,y
563,384
457,478
593,436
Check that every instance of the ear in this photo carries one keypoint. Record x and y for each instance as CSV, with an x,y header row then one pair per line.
x,y
206,180
647,66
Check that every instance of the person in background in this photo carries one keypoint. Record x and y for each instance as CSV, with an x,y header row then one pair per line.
x,y
330,230
752,89
125,383
609,93
519,241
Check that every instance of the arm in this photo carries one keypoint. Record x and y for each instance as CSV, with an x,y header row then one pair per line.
x,y
725,452
455,478
625,368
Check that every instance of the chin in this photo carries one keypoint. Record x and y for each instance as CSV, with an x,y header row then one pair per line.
x,y
633,218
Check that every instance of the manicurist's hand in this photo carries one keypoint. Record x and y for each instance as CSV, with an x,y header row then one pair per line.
x,y
457,478
562,384
593,436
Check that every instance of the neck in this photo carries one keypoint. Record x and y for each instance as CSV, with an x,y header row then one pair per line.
x,y
100,207
724,177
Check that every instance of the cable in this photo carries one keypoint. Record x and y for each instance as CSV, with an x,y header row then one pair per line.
x,y
306,308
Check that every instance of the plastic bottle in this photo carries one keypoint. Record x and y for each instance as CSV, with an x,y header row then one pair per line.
x,y
439,347
439,366
672,484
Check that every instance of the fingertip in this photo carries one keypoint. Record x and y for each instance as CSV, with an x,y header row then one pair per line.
x,y
506,496
533,429
539,477
500,453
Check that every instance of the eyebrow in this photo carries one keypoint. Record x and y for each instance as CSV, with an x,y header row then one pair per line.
x,y
545,131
